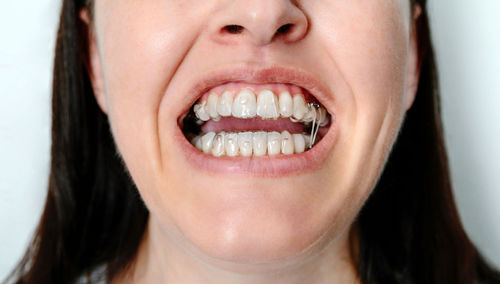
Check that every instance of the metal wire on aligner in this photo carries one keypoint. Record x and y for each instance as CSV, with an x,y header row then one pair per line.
x,y
315,123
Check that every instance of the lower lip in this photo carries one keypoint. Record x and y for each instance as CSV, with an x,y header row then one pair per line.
x,y
269,166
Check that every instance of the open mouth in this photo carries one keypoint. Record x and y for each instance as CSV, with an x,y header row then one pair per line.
x,y
245,120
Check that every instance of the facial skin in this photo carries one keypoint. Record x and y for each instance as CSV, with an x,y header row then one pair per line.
x,y
146,56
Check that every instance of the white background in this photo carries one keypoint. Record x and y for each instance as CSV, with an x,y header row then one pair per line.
x,y
467,40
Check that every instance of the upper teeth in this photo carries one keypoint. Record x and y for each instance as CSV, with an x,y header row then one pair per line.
x,y
246,104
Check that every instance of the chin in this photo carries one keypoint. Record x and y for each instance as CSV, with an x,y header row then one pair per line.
x,y
257,223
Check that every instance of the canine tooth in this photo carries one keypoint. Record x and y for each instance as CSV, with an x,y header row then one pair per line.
x,y
309,115
218,145
207,141
273,143
299,106
225,103
299,143
259,143
267,105
212,105
245,143
201,111
286,104
245,104
286,143
231,144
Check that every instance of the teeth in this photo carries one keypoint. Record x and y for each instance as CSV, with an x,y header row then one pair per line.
x,y
246,144
299,143
197,143
259,143
273,143
267,105
286,143
323,117
212,105
299,106
231,144
307,139
286,104
245,104
218,145
225,104
310,114
201,111
206,142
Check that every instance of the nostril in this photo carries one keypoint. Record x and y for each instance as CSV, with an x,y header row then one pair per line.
x,y
233,29
284,29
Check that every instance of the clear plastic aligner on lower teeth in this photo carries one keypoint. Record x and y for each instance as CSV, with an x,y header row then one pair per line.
x,y
259,143
273,143
286,143
218,148
245,144
206,142
248,143
231,144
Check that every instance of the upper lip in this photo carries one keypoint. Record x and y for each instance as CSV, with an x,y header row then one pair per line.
x,y
263,75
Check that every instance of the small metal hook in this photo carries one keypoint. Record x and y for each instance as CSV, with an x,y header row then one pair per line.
x,y
315,108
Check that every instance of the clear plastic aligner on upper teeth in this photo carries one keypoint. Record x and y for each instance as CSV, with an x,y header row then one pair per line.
x,y
248,143
212,105
266,105
245,104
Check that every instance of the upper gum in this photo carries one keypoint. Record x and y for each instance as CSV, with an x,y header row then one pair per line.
x,y
276,88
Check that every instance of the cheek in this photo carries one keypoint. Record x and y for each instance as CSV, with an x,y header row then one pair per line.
x,y
367,45
141,44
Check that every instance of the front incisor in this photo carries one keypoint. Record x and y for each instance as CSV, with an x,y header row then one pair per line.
x,y
245,104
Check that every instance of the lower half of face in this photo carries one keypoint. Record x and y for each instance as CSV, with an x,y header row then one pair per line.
x,y
250,152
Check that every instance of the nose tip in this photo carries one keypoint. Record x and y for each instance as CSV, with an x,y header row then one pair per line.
x,y
260,22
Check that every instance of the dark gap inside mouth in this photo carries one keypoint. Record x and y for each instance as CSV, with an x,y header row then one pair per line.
x,y
191,125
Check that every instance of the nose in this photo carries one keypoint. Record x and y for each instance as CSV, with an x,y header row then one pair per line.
x,y
259,22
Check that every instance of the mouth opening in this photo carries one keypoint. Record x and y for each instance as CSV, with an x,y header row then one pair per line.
x,y
249,122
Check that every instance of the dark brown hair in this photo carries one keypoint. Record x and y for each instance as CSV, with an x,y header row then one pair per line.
x,y
409,229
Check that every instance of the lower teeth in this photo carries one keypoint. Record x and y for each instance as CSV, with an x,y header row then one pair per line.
x,y
248,144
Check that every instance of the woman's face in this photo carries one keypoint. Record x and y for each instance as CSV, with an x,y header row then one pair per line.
x,y
153,60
